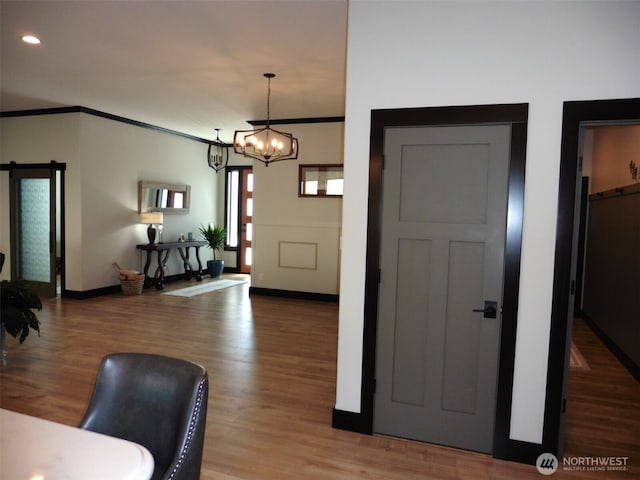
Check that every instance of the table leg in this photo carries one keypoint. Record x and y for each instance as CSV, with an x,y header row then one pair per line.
x,y
199,272
185,261
147,280
159,274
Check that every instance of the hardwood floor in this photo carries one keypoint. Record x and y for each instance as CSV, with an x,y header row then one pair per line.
x,y
272,367
603,407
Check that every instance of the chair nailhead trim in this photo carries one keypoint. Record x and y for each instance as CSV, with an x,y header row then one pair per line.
x,y
192,427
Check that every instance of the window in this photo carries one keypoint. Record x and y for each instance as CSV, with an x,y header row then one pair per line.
x,y
232,219
320,180
238,214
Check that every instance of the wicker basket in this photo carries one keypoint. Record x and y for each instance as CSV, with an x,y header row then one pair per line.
x,y
132,284
130,280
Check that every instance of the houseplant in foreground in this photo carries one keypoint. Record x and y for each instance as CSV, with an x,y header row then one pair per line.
x,y
17,301
215,235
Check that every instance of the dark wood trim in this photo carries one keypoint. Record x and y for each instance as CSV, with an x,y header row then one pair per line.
x,y
87,294
40,111
353,422
513,248
273,292
626,361
117,118
516,115
521,452
98,113
63,232
293,121
97,292
575,115
24,166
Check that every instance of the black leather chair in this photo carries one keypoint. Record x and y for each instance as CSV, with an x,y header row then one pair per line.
x,y
158,402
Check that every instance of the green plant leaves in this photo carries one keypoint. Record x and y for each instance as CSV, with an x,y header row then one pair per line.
x,y
17,300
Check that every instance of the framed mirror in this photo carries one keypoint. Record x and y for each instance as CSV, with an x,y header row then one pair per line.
x,y
163,197
320,180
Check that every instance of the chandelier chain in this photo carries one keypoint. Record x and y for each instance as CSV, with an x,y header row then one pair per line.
x,y
268,99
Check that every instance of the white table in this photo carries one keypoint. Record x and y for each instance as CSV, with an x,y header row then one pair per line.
x,y
36,449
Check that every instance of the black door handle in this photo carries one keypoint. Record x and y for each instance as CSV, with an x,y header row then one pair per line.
x,y
490,309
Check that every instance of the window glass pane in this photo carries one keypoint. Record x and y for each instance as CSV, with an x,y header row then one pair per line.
x,y
249,232
233,183
249,207
247,255
34,226
334,187
250,182
311,187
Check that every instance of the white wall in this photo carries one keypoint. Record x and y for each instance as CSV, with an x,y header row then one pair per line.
x,y
296,244
422,54
40,139
105,160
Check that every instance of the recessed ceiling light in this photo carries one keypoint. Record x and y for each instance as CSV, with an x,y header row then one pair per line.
x,y
31,39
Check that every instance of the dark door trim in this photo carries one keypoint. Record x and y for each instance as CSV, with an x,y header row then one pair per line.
x,y
240,169
574,115
51,168
514,114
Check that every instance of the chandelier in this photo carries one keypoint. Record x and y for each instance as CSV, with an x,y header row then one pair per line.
x,y
218,153
266,144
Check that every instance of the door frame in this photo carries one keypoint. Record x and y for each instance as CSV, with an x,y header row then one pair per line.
x,y
53,167
241,169
243,243
575,114
516,115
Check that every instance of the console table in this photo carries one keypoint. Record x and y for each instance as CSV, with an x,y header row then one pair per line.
x,y
162,251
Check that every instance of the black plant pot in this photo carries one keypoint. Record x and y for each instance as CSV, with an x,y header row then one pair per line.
x,y
215,267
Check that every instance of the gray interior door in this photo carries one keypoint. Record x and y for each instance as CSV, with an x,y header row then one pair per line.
x,y
443,232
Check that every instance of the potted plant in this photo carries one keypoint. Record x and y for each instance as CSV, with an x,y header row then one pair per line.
x,y
215,235
17,301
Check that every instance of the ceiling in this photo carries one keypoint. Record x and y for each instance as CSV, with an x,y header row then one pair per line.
x,y
186,65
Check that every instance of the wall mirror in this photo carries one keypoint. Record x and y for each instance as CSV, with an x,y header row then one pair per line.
x,y
320,180
163,197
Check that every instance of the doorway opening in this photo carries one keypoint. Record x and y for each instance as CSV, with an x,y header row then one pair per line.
x,y
239,215
576,115
607,279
